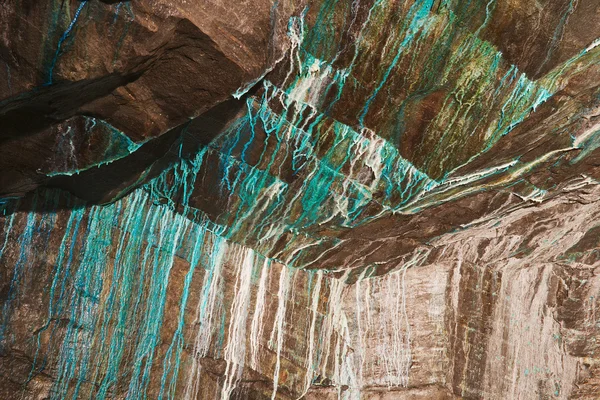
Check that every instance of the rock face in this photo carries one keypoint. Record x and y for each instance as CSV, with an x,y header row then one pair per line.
x,y
318,199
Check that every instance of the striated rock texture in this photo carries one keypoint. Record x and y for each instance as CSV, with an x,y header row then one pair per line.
x,y
316,199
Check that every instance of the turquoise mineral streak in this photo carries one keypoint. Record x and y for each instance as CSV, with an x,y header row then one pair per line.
x,y
116,145
171,361
417,15
25,244
456,55
286,171
125,31
76,348
107,294
62,39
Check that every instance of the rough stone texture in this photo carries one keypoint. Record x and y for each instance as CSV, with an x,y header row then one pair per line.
x,y
503,309
141,67
312,199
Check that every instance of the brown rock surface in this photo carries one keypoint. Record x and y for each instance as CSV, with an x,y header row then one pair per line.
x,y
317,199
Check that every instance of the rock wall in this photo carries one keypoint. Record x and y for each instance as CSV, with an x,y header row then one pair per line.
x,y
292,199
134,300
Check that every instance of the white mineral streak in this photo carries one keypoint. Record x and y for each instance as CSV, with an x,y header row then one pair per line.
x,y
207,315
363,337
374,158
592,46
296,35
235,350
537,195
257,327
277,334
535,349
385,355
314,310
331,321
475,176
585,135
366,152
527,343
577,184
310,86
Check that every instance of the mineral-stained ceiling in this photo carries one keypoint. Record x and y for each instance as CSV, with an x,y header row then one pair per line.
x,y
300,199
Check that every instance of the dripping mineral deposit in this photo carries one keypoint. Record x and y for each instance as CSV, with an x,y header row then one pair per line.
x,y
300,199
